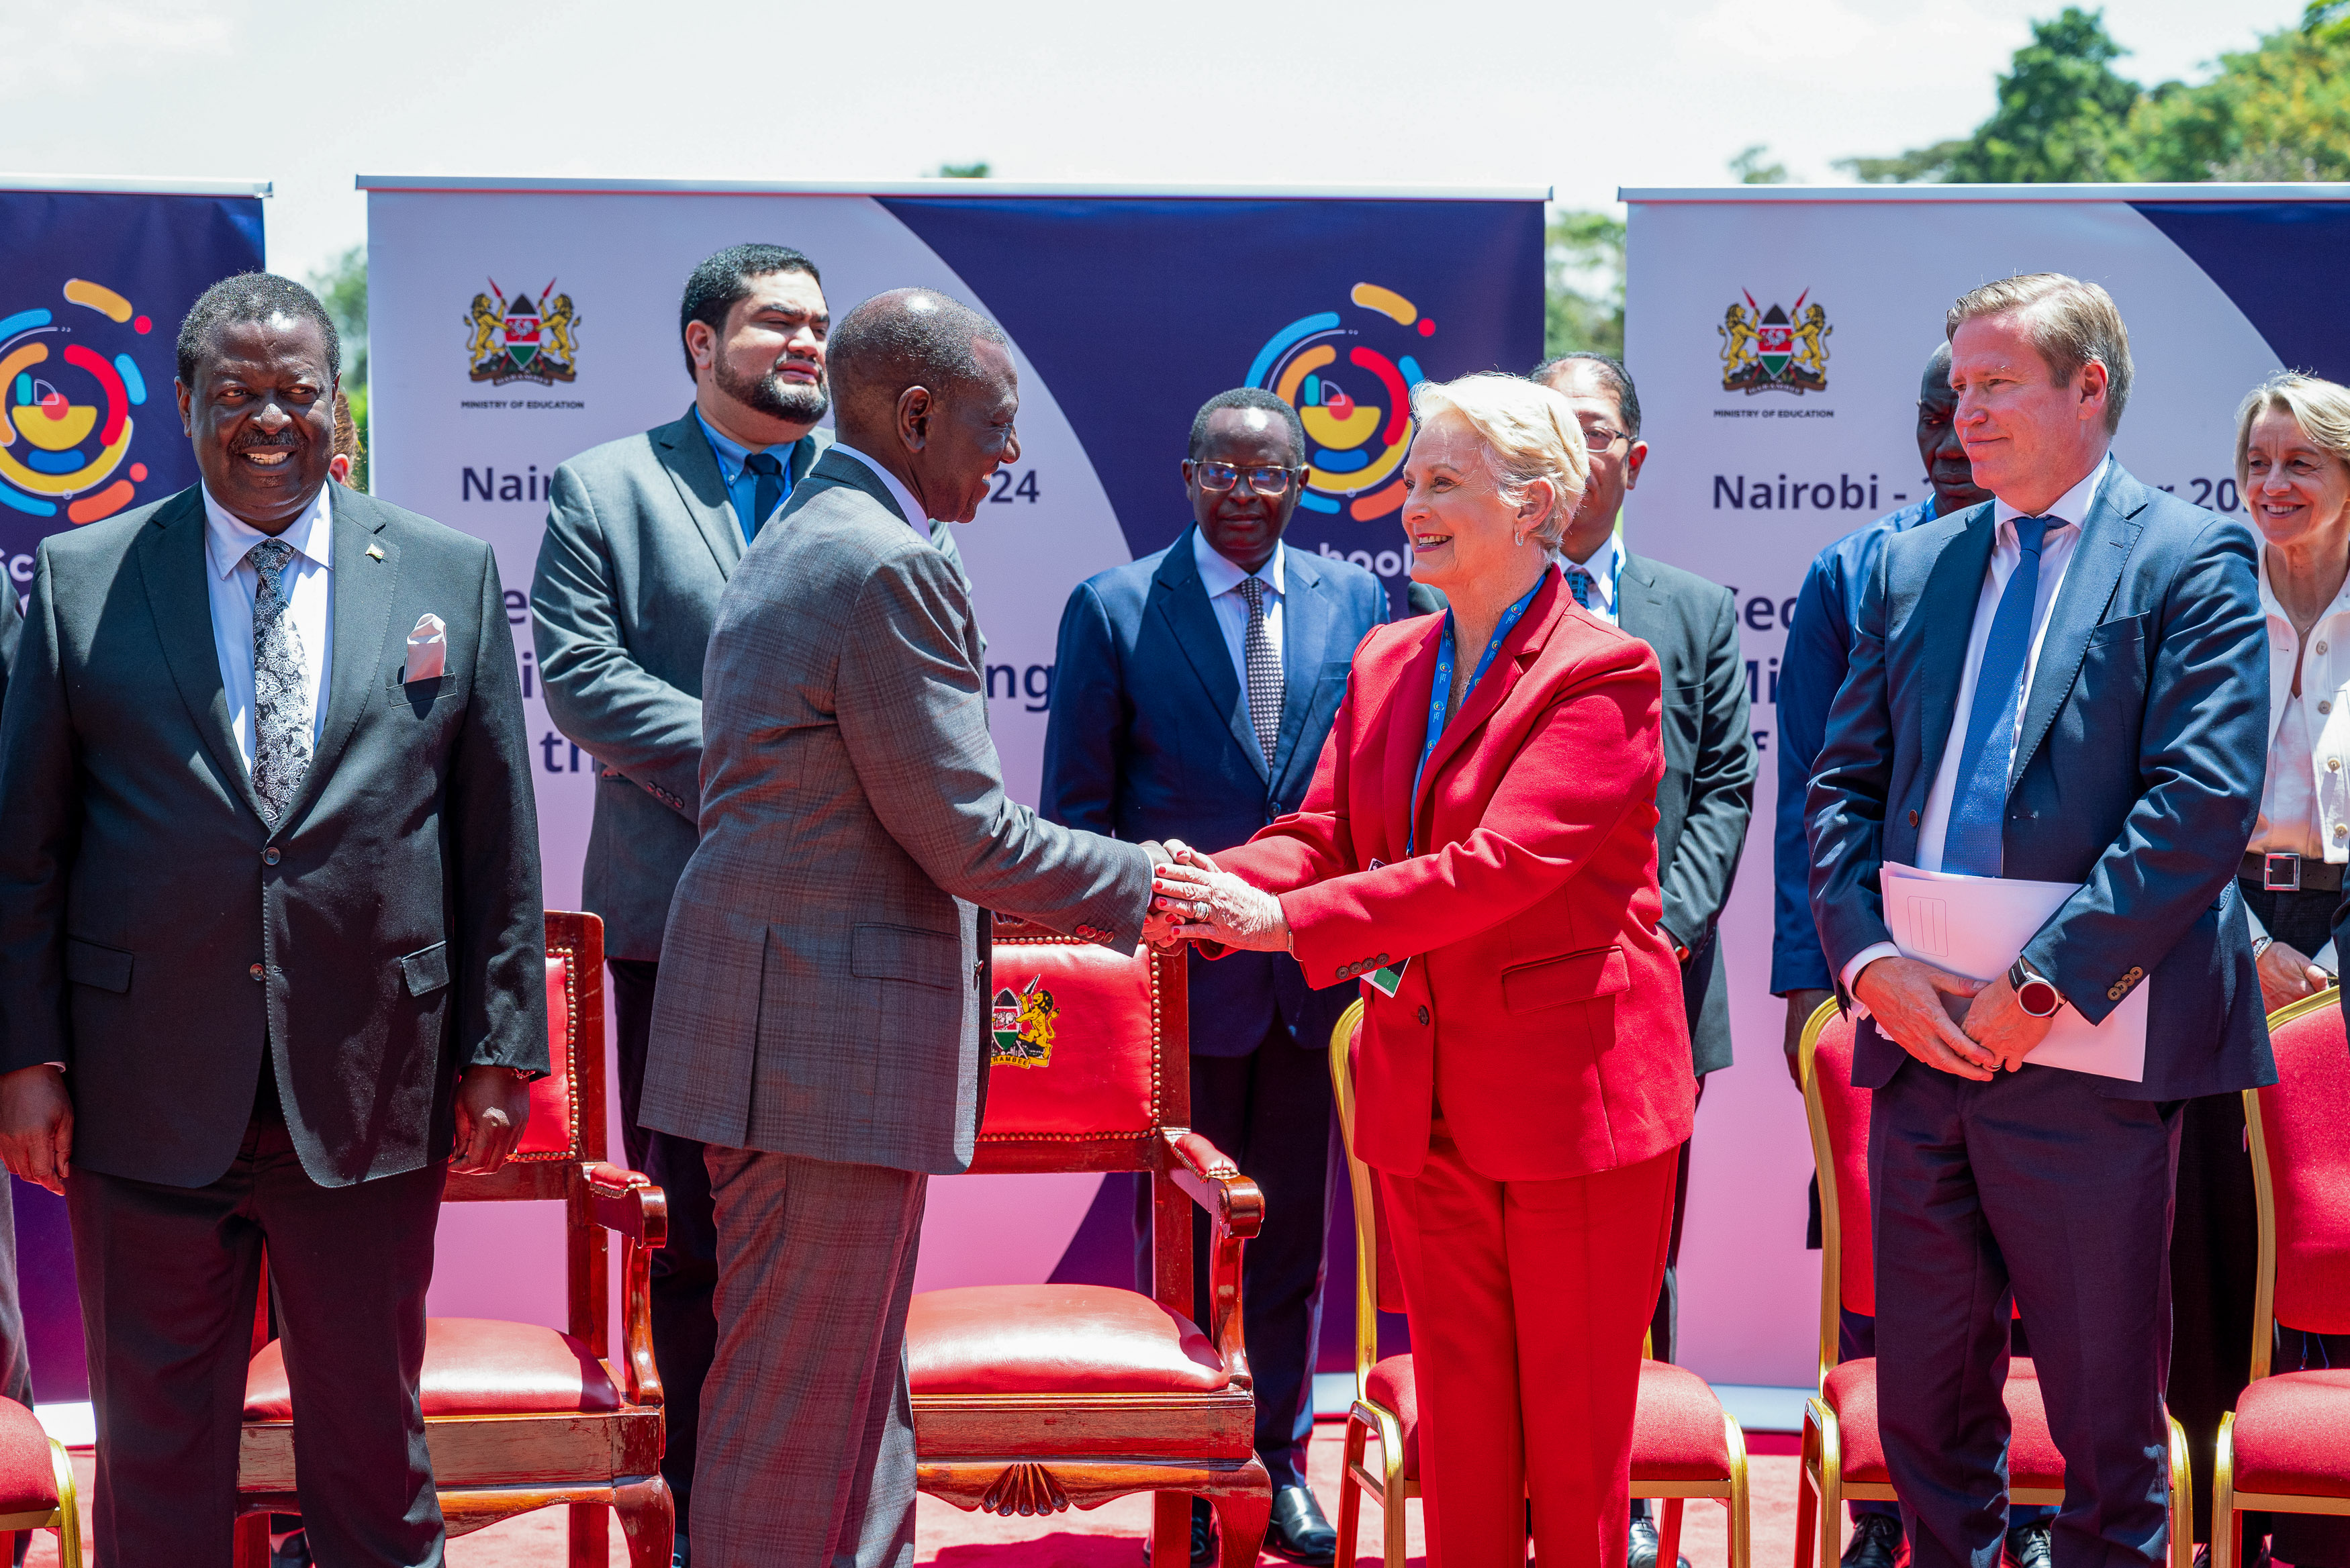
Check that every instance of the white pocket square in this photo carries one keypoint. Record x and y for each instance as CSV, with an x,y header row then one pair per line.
x,y
428,649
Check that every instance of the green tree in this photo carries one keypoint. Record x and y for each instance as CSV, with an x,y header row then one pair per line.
x,y
1583,285
1750,168
2279,112
2063,114
341,286
978,170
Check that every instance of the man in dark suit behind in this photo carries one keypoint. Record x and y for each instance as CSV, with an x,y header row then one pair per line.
x,y
271,943
2068,684
1193,690
1708,791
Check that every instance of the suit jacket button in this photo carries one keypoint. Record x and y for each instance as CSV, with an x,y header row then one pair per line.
x,y
270,855
1381,959
256,971
1913,819
1423,1018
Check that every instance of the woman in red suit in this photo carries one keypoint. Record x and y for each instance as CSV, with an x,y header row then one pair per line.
x,y
1480,849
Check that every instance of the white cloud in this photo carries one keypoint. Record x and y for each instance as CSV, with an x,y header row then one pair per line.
x,y
86,42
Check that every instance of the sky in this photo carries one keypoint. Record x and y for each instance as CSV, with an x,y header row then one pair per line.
x,y
1580,97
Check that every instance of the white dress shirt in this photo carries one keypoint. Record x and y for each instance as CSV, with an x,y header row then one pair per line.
x,y
1602,568
308,585
2065,520
2305,803
1223,580
917,518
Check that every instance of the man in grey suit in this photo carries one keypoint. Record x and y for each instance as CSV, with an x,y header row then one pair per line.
x,y
823,1010
271,943
641,537
1708,791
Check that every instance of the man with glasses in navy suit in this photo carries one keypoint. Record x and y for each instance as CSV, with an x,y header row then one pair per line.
x,y
1192,691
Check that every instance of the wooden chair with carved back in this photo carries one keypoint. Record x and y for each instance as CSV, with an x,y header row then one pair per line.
x,y
517,1415
1032,1399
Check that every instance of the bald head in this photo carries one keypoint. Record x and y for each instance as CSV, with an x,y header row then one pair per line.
x,y
924,385
1936,382
1939,447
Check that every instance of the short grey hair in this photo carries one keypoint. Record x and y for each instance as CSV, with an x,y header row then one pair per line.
x,y
2320,407
2073,325
1530,433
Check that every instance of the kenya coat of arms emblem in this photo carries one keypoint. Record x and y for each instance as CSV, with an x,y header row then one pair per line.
x,y
523,340
1023,1023
1774,350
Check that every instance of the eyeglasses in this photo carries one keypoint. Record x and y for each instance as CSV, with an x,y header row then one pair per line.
x,y
1599,437
1222,476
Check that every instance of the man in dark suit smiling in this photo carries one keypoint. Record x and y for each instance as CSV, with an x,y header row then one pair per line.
x,y
1193,691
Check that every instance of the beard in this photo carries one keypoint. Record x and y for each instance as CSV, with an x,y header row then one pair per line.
x,y
793,401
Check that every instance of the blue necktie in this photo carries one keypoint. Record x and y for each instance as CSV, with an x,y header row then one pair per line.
x,y
1578,583
1971,845
765,495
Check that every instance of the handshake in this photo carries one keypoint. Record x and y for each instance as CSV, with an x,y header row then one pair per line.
x,y
1194,900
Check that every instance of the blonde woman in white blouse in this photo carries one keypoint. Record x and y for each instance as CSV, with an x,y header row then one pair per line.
x,y
2293,466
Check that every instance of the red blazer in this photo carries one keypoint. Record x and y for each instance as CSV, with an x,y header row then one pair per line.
x,y
1542,1007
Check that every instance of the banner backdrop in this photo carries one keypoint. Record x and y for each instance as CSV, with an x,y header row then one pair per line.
x,y
515,324
1778,338
93,283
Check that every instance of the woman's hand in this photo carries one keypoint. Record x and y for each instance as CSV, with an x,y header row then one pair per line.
x,y
2287,975
1207,905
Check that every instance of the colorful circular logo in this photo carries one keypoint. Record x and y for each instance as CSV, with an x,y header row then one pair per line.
x,y
1355,400
65,405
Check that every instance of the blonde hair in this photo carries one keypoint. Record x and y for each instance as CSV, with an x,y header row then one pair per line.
x,y
2320,407
2073,324
1530,433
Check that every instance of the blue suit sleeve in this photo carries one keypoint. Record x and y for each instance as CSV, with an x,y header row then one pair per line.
x,y
1810,670
2203,755
1851,781
1082,729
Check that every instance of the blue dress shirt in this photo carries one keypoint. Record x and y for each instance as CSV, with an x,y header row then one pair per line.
x,y
741,484
1819,647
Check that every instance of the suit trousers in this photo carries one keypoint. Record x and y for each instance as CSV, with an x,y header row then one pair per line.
x,y
1271,1112
2033,1188
807,1432
1528,1300
685,1269
169,1278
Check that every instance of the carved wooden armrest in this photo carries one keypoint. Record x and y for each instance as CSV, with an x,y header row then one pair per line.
x,y
627,1202
1236,1204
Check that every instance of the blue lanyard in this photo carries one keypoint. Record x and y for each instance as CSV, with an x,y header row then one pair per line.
x,y
1442,691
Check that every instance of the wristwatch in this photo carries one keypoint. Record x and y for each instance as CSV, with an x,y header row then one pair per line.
x,y
2034,991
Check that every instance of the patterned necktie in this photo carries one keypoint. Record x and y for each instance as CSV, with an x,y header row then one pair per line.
x,y
1971,843
767,494
281,686
1267,688
1578,583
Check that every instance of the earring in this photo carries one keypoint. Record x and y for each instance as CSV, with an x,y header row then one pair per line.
x,y
1518,539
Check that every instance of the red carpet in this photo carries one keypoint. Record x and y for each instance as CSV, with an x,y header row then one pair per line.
x,y
1111,1536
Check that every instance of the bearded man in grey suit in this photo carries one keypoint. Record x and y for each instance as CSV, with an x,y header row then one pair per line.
x,y
822,1010
641,537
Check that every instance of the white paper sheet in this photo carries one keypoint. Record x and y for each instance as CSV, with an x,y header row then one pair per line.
x,y
1975,926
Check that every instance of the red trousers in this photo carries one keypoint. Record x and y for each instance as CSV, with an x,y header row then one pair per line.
x,y
1528,1300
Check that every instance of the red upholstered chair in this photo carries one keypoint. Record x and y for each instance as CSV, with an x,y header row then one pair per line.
x,y
2285,1448
36,1483
1684,1444
1032,1399
1843,1453
519,1416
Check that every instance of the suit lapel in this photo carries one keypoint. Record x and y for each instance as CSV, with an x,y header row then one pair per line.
x,y
1181,600
173,565
363,589
692,467
838,468
1953,588
1524,641
2107,535
1306,616
1407,731
1640,609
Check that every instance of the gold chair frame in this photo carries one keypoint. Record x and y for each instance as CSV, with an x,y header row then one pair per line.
x,y
2228,1504
65,1519
1822,1490
1367,1416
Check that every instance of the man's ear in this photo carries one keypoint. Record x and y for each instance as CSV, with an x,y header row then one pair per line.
x,y
187,398
700,345
1634,456
2097,384
915,406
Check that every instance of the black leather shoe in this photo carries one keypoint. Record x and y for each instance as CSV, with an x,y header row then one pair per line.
x,y
1297,1530
1646,1545
1876,1541
2033,1546
1203,1536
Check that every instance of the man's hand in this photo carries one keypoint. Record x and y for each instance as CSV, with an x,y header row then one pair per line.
x,y
36,1126
1907,999
1998,1022
1213,905
492,1107
1802,1004
2287,975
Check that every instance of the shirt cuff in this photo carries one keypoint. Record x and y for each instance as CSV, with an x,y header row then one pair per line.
x,y
1861,960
